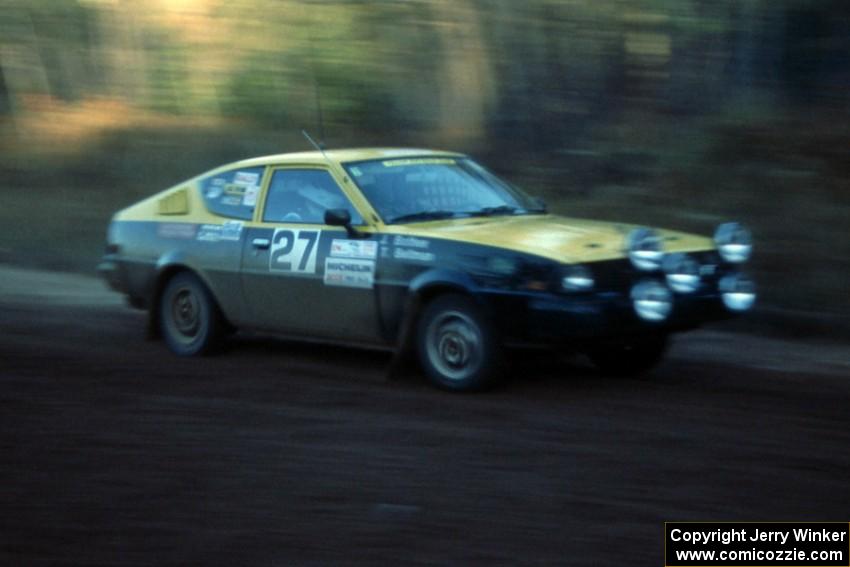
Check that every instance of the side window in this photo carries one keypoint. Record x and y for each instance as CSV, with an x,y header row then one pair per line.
x,y
303,196
233,193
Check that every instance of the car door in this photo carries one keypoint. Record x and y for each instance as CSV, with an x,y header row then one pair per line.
x,y
302,276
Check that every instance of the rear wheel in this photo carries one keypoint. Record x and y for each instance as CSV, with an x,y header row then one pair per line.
x,y
457,345
189,319
629,357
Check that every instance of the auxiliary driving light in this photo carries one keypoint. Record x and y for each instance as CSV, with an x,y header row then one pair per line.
x,y
734,242
577,278
652,300
682,272
645,249
738,292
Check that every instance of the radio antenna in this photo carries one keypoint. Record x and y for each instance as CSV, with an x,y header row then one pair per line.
x,y
319,109
319,147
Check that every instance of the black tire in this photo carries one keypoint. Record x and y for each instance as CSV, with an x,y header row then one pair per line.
x,y
630,357
457,346
190,321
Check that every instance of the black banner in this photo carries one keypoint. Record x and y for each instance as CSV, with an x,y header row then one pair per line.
x,y
761,544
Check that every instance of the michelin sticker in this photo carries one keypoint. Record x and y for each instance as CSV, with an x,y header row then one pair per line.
x,y
341,248
230,230
350,272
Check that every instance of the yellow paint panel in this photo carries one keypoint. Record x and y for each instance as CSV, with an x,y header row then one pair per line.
x,y
558,238
176,203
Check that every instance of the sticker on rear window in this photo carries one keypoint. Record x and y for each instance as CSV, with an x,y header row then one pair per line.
x,y
250,198
246,178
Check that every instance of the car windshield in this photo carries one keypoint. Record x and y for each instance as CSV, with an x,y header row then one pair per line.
x,y
433,188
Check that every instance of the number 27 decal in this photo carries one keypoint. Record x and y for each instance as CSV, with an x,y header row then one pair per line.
x,y
294,251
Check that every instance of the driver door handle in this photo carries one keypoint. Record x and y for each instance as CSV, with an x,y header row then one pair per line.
x,y
261,243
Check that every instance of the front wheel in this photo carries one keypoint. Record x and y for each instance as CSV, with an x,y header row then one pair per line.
x,y
457,345
629,357
189,319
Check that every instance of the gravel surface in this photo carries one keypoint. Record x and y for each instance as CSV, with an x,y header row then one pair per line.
x,y
114,452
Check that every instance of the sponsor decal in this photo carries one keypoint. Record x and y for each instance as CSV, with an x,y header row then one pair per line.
x,y
230,231
246,178
250,197
411,242
350,272
177,230
343,248
418,161
385,246
246,185
413,255
231,200
215,188
294,251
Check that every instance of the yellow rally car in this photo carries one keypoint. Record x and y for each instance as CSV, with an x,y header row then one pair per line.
x,y
405,248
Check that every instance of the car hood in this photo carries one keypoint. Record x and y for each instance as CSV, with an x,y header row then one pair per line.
x,y
555,237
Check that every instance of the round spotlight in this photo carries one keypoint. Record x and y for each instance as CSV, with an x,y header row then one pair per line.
x,y
577,278
734,242
682,272
645,249
738,292
652,300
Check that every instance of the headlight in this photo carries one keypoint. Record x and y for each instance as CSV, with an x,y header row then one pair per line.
x,y
734,242
645,249
738,292
682,272
652,300
577,278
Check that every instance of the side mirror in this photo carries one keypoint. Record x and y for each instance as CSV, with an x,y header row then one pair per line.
x,y
341,217
337,217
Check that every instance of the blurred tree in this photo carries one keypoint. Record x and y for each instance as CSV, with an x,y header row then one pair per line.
x,y
5,95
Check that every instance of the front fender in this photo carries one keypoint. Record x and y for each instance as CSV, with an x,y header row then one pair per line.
x,y
442,278
421,290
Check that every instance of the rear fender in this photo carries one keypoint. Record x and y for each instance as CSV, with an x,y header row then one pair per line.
x,y
168,264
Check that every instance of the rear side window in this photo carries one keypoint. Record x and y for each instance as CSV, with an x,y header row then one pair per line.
x,y
233,193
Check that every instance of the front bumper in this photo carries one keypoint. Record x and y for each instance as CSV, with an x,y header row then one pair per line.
x,y
612,315
110,270
555,318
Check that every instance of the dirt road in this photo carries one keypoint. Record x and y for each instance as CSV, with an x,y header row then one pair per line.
x,y
113,452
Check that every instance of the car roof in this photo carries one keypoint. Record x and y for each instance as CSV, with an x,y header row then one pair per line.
x,y
341,156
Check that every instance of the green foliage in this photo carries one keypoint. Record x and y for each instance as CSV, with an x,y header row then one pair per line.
x,y
169,89
257,90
